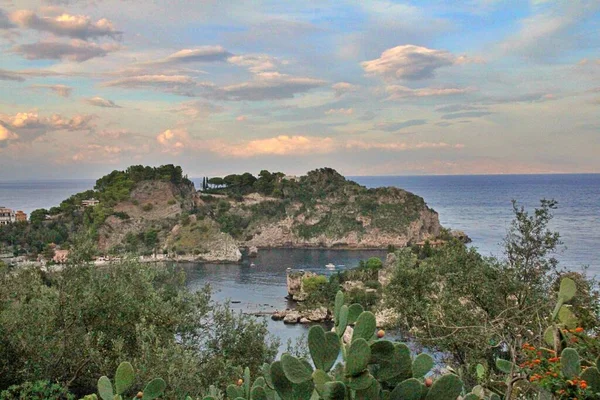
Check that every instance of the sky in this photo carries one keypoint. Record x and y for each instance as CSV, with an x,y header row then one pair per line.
x,y
371,87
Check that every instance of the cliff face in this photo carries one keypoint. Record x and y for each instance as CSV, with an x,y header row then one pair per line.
x,y
321,209
324,209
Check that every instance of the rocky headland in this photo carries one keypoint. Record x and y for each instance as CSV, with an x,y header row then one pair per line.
x,y
158,213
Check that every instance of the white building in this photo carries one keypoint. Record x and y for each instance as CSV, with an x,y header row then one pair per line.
x,y
7,216
90,202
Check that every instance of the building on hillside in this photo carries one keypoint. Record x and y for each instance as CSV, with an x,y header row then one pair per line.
x,y
7,216
90,202
60,256
20,216
292,178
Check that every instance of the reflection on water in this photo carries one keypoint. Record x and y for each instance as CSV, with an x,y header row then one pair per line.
x,y
263,286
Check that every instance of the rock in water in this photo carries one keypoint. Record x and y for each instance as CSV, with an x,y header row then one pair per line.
x,y
291,317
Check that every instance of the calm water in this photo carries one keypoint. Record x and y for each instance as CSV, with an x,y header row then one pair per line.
x,y
479,205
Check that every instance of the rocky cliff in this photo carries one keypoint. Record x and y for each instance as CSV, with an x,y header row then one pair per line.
x,y
153,211
323,209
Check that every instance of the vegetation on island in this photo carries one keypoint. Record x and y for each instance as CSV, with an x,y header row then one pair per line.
x,y
138,214
61,224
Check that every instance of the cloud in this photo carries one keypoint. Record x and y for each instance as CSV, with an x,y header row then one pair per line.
x,y
467,114
177,84
255,62
76,50
10,76
203,54
410,62
6,135
61,90
457,107
397,92
396,126
518,98
74,26
100,102
267,86
4,21
341,111
29,126
197,109
554,29
280,146
173,141
342,88
20,76
400,146
151,80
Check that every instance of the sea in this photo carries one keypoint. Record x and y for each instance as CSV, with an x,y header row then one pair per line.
x,y
479,205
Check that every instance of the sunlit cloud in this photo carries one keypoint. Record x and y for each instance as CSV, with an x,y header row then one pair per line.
x,y
411,62
256,62
197,109
342,88
339,111
74,26
29,126
6,135
279,146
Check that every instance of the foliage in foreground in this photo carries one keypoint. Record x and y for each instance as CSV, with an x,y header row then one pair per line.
x,y
72,326
475,309
370,368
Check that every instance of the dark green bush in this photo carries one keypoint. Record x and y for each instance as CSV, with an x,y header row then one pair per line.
x,y
42,390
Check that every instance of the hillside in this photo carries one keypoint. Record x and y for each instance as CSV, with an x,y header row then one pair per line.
x,y
153,211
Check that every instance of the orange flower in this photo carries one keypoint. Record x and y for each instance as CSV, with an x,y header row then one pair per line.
x,y
574,340
579,329
554,359
537,361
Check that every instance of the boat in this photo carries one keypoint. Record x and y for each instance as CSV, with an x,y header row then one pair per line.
x,y
330,266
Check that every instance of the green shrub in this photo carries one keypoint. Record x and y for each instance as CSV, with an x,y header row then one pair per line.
x,y
42,390
147,207
121,215
53,324
313,283
374,264
373,284
171,202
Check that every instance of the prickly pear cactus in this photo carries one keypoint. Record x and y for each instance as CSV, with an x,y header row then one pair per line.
x,y
370,368
124,379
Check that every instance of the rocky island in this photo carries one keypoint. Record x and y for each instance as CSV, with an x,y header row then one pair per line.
x,y
159,213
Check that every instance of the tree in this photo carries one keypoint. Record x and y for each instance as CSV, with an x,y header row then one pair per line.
x,y
474,308
38,216
73,326
216,181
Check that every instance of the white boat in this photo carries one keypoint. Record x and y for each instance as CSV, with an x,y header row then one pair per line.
x,y
330,266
